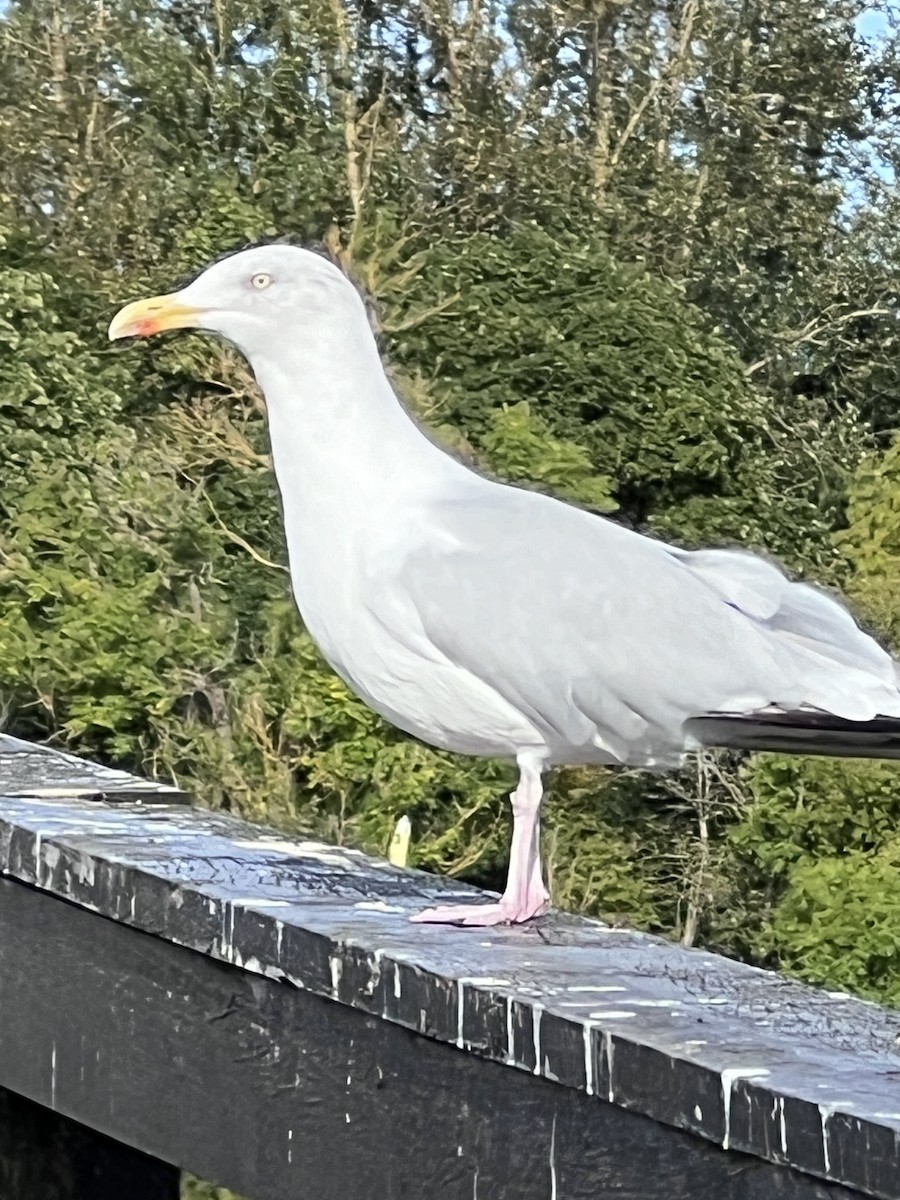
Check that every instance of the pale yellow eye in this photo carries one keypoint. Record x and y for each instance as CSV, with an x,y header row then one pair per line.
x,y
260,280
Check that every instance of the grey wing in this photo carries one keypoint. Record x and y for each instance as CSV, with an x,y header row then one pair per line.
x,y
605,638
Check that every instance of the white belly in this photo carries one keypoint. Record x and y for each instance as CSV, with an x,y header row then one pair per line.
x,y
424,695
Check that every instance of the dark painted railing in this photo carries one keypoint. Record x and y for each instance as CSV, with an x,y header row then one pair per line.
x,y
179,989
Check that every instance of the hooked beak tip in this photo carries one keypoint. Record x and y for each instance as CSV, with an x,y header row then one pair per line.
x,y
142,318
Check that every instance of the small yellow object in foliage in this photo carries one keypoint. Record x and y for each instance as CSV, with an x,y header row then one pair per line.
x,y
398,850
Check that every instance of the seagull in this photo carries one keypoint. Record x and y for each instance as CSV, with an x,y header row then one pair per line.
x,y
494,620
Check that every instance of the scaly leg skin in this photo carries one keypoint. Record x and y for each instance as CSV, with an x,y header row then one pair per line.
x,y
525,895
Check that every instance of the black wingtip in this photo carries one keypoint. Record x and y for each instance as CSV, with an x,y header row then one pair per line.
x,y
800,733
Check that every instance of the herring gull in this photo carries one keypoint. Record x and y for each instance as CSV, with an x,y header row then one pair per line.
x,y
492,620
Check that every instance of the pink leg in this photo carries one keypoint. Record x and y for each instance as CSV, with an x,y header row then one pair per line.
x,y
536,877
525,895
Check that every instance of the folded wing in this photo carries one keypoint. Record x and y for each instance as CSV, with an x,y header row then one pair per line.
x,y
603,637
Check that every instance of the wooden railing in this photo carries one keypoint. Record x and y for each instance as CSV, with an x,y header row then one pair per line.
x,y
180,989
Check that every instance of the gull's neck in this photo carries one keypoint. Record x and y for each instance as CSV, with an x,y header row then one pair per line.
x,y
342,443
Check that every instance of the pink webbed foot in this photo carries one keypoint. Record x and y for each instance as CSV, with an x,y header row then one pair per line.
x,y
483,915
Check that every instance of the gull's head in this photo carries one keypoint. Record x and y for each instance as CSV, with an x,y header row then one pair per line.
x,y
264,298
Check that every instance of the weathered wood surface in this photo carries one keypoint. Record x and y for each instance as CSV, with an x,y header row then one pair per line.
x,y
285,1023
27,770
285,1095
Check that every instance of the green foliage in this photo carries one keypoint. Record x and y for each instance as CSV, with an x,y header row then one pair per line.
x,y
810,808
871,541
195,1189
838,923
97,630
521,447
816,851
52,398
607,356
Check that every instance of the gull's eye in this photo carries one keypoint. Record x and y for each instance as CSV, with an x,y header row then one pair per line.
x,y
260,280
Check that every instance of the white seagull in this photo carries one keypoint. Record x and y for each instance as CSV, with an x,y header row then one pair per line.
x,y
489,619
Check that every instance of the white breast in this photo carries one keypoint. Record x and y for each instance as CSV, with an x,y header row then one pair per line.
x,y
408,682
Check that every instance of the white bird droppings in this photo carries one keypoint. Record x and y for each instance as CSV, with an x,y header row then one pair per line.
x,y
729,1075
536,1013
476,981
336,971
583,987
588,1061
824,1114
553,1160
460,1012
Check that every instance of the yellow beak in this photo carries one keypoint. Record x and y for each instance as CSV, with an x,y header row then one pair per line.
x,y
145,317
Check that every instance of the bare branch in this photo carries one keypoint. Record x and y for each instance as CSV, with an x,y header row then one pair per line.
x,y
239,541
668,76
420,315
